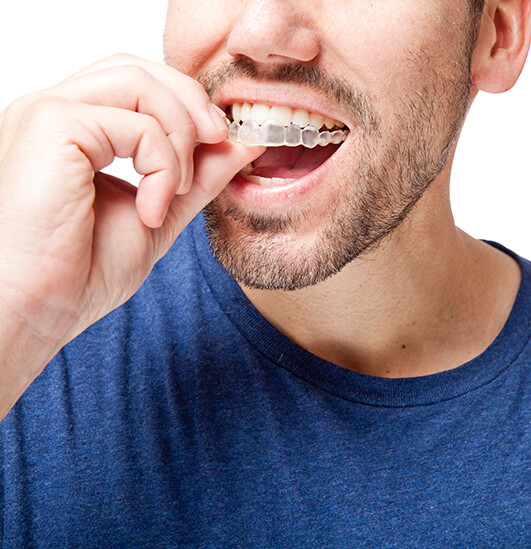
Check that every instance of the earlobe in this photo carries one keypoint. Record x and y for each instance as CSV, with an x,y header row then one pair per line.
x,y
502,45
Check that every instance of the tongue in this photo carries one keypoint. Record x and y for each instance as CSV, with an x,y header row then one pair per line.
x,y
291,162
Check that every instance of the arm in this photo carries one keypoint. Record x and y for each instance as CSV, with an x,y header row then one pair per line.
x,y
76,243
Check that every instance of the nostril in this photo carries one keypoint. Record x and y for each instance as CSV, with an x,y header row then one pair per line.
x,y
273,33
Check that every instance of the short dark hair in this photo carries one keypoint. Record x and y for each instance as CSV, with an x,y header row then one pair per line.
x,y
476,7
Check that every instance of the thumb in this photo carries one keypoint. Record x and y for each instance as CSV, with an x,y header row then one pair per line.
x,y
214,167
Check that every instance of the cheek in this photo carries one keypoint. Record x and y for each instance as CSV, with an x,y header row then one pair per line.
x,y
195,31
382,45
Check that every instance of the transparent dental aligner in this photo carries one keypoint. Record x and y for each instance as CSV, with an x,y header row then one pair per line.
x,y
274,134
310,137
250,133
293,135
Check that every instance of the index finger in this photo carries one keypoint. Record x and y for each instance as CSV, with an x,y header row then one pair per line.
x,y
192,95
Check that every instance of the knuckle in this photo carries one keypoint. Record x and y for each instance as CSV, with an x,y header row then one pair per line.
x,y
188,130
31,107
14,122
151,126
43,109
16,109
184,143
124,58
133,73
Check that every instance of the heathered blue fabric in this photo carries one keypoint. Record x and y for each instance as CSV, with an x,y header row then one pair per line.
x,y
183,419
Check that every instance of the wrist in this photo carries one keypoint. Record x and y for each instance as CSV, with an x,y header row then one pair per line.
x,y
28,341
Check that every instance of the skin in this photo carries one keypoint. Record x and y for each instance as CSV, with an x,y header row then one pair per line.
x,y
78,243
421,298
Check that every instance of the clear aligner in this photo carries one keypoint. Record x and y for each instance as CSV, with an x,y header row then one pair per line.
x,y
274,134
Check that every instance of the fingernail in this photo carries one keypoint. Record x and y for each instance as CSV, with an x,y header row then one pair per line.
x,y
186,180
163,218
218,117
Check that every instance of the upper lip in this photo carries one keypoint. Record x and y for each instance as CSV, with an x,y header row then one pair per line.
x,y
280,94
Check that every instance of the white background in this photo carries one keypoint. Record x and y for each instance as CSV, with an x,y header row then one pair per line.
x,y
43,42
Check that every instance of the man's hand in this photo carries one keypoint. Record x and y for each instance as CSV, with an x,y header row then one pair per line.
x,y
77,243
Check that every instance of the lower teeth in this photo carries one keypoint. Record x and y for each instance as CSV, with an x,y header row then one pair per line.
x,y
266,181
275,134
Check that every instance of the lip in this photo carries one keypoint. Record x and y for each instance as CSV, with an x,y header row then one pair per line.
x,y
280,195
282,95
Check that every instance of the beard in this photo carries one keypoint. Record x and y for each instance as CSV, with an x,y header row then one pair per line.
x,y
381,179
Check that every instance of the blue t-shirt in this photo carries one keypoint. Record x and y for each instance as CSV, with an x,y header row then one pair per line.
x,y
184,419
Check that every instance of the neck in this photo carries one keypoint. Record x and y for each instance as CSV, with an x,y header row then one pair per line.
x,y
428,299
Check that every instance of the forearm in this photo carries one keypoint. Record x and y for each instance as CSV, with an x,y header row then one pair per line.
x,y
26,346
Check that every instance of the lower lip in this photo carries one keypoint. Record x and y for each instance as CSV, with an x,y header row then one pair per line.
x,y
253,193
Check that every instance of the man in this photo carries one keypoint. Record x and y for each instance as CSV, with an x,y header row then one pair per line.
x,y
356,375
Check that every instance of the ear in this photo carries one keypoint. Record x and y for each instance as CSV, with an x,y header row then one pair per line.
x,y
502,45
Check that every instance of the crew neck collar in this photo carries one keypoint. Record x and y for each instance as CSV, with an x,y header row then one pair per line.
x,y
353,386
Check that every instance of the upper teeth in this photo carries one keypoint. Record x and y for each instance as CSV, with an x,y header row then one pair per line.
x,y
285,115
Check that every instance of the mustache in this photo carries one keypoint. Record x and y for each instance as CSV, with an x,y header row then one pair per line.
x,y
348,96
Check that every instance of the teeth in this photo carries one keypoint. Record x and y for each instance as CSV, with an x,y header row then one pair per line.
x,y
329,123
234,131
278,126
274,134
284,115
293,135
316,121
249,133
324,139
266,181
237,112
245,111
260,113
337,137
301,118
310,137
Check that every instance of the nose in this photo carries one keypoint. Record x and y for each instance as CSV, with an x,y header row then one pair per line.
x,y
273,31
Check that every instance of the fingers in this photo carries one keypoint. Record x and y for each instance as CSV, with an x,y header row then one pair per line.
x,y
216,165
128,107
177,102
134,89
116,132
105,132
132,74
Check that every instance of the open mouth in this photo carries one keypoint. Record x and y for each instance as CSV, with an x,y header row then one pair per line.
x,y
297,141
